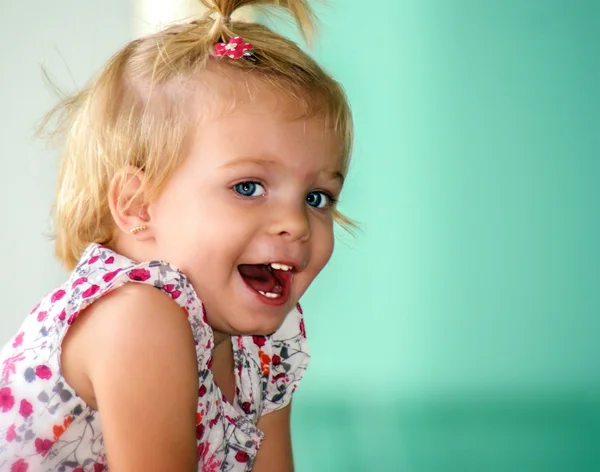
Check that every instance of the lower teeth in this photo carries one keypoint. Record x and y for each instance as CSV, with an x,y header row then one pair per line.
x,y
269,294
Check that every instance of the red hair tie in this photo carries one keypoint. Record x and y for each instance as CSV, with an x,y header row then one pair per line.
x,y
235,48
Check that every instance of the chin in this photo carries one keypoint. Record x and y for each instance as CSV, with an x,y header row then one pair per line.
x,y
256,329
254,324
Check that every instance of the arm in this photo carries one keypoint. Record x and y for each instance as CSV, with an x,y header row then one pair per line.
x,y
135,350
275,453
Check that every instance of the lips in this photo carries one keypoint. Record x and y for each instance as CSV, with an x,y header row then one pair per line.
x,y
271,282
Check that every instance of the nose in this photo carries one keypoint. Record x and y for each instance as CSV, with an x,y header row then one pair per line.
x,y
291,222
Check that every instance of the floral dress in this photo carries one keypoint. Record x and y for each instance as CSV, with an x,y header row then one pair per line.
x,y
46,426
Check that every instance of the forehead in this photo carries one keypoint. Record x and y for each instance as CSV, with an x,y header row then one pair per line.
x,y
250,118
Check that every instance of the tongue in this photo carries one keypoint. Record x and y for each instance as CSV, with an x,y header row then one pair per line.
x,y
259,277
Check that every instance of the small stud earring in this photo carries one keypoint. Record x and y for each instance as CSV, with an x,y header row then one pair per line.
x,y
137,229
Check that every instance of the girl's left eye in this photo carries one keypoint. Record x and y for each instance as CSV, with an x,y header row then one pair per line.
x,y
318,199
249,189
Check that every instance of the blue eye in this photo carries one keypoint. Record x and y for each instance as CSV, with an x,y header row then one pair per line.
x,y
318,199
249,189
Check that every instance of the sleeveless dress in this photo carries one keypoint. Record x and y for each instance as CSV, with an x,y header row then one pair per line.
x,y
46,426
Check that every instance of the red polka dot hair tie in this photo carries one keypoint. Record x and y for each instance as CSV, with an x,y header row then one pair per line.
x,y
235,48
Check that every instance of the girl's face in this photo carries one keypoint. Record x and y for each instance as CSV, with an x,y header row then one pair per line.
x,y
248,216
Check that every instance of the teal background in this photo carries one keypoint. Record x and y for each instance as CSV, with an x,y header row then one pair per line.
x,y
458,331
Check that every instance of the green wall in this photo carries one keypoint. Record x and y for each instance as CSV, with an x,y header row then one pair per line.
x,y
459,330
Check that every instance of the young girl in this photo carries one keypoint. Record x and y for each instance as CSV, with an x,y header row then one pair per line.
x,y
195,205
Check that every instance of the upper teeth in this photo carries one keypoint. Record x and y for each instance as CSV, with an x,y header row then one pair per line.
x,y
277,266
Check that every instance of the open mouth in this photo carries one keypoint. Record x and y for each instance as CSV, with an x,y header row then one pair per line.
x,y
272,282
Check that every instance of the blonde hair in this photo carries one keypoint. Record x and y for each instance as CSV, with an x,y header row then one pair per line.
x,y
132,115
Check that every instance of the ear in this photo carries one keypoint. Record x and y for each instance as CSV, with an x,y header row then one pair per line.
x,y
127,202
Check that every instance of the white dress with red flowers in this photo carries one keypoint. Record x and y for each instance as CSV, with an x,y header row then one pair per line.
x,y
45,426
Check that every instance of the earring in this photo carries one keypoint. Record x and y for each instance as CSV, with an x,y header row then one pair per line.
x,y
137,229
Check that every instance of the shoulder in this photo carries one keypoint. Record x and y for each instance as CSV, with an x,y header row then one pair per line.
x,y
132,313
135,353
139,322
133,307
129,325
138,309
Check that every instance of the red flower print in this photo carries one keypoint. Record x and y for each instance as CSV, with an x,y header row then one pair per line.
x,y
78,469
42,316
265,362
9,366
211,464
302,328
18,340
62,316
259,340
201,448
79,281
20,466
99,467
90,292
214,421
110,275
58,429
43,372
170,289
139,275
72,318
26,409
235,48
202,391
299,308
56,296
68,421
93,259
42,446
230,419
241,456
276,360
110,260
200,431
11,433
247,407
204,315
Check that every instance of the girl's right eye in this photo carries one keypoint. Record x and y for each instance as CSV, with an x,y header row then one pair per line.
x,y
249,189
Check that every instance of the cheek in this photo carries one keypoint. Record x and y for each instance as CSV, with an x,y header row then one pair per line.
x,y
181,211
322,247
170,206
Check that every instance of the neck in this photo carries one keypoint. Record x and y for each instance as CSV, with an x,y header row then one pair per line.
x,y
220,337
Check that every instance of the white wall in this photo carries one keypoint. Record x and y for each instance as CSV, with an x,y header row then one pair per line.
x,y
152,14
72,38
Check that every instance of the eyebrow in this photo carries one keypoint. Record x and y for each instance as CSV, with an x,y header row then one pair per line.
x,y
250,160
336,175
